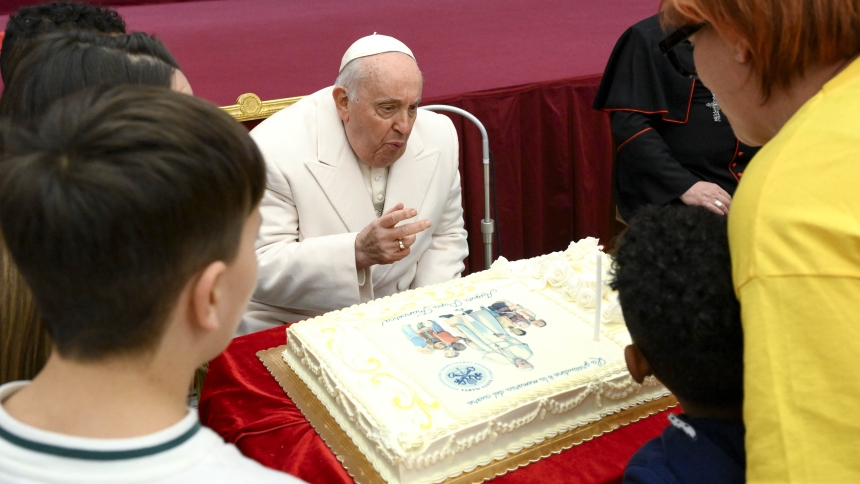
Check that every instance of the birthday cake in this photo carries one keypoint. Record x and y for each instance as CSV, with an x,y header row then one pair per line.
x,y
433,382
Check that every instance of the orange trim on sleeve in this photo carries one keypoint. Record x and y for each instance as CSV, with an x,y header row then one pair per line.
x,y
631,138
662,113
732,163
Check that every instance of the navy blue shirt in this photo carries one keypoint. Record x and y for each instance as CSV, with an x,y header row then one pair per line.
x,y
691,450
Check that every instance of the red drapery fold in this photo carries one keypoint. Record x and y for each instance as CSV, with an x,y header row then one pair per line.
x,y
553,156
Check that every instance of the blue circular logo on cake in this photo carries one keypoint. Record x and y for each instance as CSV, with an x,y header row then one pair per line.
x,y
465,376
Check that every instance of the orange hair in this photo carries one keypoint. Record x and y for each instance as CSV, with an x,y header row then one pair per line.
x,y
785,37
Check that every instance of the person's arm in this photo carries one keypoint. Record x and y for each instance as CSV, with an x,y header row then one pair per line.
x,y
443,259
800,359
647,173
314,274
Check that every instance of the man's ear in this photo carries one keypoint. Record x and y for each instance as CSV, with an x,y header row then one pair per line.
x,y
206,295
341,101
637,365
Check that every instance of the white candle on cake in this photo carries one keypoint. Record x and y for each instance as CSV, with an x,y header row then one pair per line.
x,y
598,288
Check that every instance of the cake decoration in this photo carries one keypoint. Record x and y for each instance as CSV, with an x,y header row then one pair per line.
x,y
432,382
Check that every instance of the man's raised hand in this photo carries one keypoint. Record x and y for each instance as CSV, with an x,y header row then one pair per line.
x,y
381,241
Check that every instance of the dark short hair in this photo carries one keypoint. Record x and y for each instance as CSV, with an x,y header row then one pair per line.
x,y
498,305
111,205
673,275
32,21
58,64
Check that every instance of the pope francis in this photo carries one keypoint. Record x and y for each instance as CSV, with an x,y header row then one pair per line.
x,y
363,192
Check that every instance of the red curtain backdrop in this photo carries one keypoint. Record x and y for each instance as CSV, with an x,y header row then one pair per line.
x,y
553,166
528,70
245,405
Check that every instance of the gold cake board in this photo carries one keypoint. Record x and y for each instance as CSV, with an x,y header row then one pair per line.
x,y
362,470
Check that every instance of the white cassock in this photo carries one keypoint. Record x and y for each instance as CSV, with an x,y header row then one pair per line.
x,y
316,202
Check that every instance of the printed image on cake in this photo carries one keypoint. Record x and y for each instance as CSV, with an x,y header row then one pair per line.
x,y
433,382
489,331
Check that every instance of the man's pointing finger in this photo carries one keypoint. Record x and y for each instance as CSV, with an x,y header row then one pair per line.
x,y
412,229
398,216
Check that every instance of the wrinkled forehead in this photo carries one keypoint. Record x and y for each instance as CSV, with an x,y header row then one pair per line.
x,y
392,75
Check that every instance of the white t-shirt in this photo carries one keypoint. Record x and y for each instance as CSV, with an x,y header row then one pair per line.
x,y
183,453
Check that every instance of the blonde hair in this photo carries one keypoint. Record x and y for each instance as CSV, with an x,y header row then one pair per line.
x,y
24,342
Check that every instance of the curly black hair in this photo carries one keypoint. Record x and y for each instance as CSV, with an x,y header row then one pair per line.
x,y
673,275
30,22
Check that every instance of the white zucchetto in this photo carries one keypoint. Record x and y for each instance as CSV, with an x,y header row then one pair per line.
x,y
372,45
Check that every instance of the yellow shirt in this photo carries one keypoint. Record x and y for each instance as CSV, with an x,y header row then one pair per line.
x,y
794,232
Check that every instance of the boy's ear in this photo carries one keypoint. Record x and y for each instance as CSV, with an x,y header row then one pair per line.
x,y
637,365
206,295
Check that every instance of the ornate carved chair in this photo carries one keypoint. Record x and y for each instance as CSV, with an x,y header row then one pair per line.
x,y
250,107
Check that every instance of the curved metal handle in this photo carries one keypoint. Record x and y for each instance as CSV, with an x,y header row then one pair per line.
x,y
487,224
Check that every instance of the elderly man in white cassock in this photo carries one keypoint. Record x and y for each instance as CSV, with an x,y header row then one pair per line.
x,y
363,195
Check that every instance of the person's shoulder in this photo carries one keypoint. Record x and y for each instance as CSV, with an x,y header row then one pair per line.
x,y
428,119
289,126
643,34
690,450
225,464
434,128
820,139
649,464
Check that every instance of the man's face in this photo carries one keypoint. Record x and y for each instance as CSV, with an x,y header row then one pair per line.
x,y
380,122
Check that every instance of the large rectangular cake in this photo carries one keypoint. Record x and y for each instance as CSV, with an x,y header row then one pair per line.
x,y
433,382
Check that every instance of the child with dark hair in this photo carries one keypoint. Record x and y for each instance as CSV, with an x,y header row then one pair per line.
x,y
674,282
131,212
60,63
53,66
30,22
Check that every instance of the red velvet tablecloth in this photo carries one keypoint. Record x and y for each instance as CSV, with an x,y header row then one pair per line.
x,y
243,402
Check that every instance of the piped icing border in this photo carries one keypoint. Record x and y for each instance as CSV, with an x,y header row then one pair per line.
x,y
392,474
411,450
567,273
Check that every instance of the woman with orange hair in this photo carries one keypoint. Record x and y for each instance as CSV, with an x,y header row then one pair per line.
x,y
786,74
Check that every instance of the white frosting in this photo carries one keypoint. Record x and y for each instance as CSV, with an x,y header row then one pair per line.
x,y
419,415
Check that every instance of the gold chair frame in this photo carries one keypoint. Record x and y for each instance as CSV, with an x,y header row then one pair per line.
x,y
250,107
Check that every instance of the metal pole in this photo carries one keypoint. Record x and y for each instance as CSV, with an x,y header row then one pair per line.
x,y
487,224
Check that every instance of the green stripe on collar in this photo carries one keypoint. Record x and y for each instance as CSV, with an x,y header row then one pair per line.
x,y
98,454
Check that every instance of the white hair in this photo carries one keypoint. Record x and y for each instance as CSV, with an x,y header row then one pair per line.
x,y
351,76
